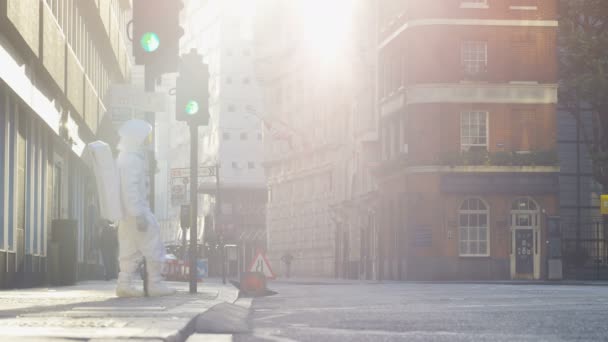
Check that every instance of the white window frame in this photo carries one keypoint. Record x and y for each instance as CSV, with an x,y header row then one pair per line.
x,y
530,211
478,227
479,4
466,144
474,56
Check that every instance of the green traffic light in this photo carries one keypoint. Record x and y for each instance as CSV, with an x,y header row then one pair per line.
x,y
192,107
150,41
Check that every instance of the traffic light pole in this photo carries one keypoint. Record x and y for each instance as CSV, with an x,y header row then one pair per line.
x,y
149,80
193,205
218,213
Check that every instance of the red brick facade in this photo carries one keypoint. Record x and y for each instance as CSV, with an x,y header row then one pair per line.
x,y
458,78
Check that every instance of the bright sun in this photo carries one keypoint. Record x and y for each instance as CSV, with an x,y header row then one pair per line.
x,y
326,25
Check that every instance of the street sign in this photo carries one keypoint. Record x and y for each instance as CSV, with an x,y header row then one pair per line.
x,y
128,96
202,268
261,264
203,171
178,194
604,204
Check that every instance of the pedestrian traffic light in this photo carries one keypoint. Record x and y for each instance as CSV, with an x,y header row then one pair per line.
x,y
192,90
156,33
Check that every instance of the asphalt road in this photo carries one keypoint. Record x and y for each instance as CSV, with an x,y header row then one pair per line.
x,y
327,311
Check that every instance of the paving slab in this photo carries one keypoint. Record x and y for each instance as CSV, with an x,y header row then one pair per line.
x,y
91,311
210,338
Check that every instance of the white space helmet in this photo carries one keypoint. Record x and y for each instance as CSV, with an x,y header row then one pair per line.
x,y
133,134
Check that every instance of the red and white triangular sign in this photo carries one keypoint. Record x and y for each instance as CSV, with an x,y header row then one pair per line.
x,y
261,264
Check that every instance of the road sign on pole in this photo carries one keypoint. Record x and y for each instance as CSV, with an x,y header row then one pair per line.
x,y
203,171
260,264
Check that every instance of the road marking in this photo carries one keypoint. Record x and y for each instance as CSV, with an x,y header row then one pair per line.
x,y
272,316
270,334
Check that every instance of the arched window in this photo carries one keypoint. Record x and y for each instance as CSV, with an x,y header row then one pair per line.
x,y
524,204
524,213
473,228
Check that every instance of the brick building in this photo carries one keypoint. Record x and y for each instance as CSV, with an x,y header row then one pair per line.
x,y
468,174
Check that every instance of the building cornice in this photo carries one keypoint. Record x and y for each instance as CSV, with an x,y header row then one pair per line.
x,y
400,168
465,22
503,93
482,169
508,93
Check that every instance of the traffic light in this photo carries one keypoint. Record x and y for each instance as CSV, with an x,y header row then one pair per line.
x,y
156,33
192,90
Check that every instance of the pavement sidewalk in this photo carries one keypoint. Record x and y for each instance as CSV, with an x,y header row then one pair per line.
x,y
90,311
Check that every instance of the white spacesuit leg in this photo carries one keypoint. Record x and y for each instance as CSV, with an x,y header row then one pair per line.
x,y
153,250
128,258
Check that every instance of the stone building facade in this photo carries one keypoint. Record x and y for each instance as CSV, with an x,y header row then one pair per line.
x,y
57,58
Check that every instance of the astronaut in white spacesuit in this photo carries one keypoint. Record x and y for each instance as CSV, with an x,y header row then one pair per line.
x,y
138,232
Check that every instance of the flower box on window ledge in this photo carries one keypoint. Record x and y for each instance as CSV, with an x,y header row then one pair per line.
x,y
479,75
478,157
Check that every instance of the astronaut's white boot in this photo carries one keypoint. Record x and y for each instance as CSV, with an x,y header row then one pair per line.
x,y
156,287
125,287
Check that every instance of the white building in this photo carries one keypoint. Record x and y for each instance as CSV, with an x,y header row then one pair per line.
x,y
220,30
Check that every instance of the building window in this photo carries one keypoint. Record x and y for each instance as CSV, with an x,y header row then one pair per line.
x,y
474,56
524,213
260,136
250,108
246,80
226,136
231,108
473,228
251,165
235,165
473,130
244,136
474,4
229,80
246,53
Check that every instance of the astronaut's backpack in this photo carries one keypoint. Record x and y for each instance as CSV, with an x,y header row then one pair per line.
x,y
98,155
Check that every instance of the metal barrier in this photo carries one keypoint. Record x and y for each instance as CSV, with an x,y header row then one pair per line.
x,y
585,251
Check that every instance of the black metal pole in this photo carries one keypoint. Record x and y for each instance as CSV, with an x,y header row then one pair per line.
x,y
193,205
218,213
578,185
597,253
149,80
185,230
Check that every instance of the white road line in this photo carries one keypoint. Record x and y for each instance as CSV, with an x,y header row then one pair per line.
x,y
270,334
272,316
